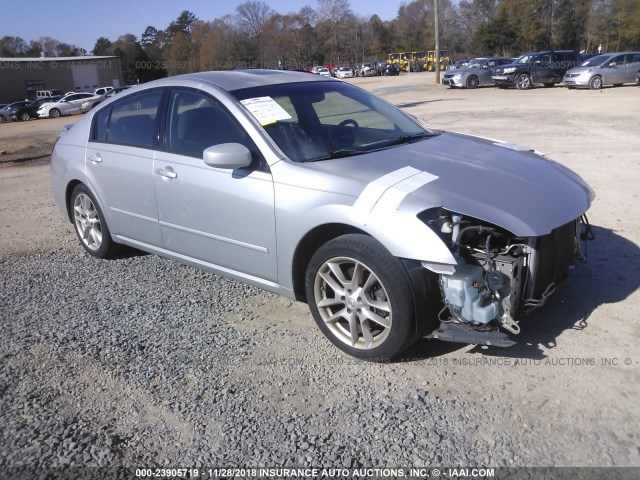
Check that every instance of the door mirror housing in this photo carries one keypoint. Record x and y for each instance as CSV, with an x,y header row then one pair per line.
x,y
227,155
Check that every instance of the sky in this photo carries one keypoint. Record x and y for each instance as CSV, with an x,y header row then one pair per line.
x,y
82,22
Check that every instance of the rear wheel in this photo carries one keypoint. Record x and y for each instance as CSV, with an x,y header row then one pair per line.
x,y
595,83
472,81
89,223
54,113
360,298
1,119
523,82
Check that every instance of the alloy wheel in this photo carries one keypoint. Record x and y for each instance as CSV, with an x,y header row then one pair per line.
x,y
353,303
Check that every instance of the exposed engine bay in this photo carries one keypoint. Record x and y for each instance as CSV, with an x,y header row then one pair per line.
x,y
499,277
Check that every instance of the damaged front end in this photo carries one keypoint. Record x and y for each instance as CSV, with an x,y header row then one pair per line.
x,y
499,276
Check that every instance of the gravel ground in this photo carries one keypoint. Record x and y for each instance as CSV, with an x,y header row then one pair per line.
x,y
143,362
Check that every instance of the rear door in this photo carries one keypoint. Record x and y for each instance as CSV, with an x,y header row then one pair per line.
x,y
119,165
632,65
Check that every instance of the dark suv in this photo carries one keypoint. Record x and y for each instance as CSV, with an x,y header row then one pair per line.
x,y
386,69
547,68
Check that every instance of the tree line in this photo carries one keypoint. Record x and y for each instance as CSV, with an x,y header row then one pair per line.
x,y
255,35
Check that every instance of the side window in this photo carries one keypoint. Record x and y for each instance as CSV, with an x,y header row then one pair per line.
x,y
617,61
101,125
133,120
196,122
633,58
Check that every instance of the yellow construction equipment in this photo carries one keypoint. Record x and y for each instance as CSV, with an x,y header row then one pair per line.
x,y
422,60
430,63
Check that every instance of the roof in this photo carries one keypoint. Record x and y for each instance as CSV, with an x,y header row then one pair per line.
x,y
55,59
239,79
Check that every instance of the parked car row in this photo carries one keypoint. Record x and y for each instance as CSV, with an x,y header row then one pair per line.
x,y
371,69
547,68
48,105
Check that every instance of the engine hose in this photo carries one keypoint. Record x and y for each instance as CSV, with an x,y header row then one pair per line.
x,y
479,229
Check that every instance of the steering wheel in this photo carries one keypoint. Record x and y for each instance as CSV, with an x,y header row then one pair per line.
x,y
344,134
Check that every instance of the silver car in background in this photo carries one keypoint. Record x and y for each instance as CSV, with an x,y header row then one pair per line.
x,y
611,69
322,192
476,73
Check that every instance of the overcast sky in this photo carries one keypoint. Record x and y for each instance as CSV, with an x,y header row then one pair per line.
x,y
82,22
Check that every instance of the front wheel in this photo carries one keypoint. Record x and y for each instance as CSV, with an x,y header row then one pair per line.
x,y
24,116
472,82
1,119
360,298
54,113
90,226
523,82
595,83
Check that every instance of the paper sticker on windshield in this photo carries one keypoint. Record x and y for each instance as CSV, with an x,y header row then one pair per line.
x,y
266,110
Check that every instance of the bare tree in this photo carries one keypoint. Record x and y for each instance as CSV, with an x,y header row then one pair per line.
x,y
253,15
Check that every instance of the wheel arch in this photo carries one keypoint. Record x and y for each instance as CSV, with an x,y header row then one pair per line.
x,y
307,246
422,282
67,196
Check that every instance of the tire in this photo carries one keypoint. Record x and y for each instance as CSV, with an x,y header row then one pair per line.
x,y
472,82
24,116
54,113
376,319
2,120
88,220
595,83
430,67
523,82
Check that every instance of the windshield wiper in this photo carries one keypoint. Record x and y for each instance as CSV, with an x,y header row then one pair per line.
x,y
407,138
340,153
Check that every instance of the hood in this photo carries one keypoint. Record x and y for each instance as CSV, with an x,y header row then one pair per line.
x,y
577,70
501,68
462,70
506,185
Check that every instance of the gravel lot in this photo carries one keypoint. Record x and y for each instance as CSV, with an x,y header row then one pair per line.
x,y
143,362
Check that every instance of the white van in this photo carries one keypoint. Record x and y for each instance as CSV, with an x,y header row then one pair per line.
x,y
48,93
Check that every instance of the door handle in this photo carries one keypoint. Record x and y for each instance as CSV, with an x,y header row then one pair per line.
x,y
95,158
167,173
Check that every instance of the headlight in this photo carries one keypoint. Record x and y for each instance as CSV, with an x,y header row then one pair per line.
x,y
510,70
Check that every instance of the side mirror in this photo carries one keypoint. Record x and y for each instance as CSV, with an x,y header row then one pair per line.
x,y
227,155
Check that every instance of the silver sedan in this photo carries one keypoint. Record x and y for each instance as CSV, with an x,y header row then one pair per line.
x,y
320,191
476,73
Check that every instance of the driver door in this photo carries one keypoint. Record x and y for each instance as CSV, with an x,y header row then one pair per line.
x,y
222,217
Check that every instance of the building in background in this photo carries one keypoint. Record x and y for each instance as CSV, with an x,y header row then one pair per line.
x,y
21,78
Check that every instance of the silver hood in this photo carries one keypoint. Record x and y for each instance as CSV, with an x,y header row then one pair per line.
x,y
518,190
577,70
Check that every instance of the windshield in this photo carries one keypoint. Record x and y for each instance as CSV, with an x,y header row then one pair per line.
x,y
321,120
525,59
596,61
476,63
